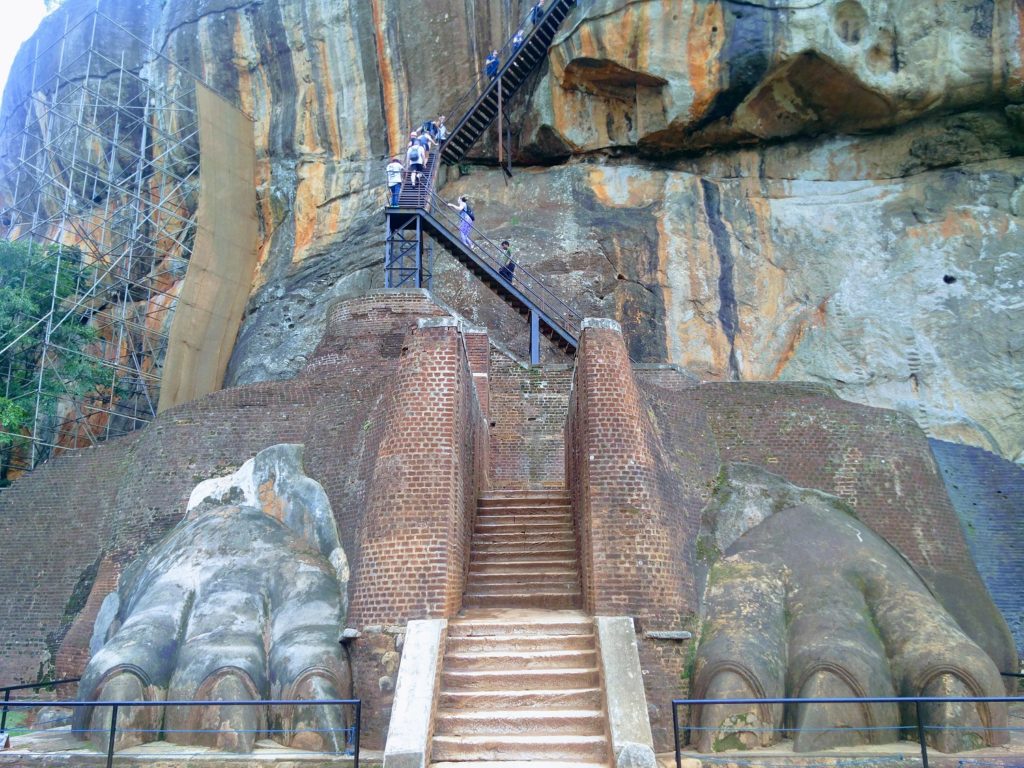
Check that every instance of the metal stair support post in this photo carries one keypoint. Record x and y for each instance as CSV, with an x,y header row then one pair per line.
x,y
534,338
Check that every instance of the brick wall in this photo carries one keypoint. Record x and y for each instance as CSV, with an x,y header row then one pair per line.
x,y
75,523
527,422
637,504
986,491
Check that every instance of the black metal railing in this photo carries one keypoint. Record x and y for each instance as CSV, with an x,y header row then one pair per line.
x,y
463,103
351,732
28,687
520,279
918,727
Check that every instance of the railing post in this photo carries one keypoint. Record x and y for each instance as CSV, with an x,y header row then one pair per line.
x,y
920,735
3,718
675,734
534,338
113,732
359,728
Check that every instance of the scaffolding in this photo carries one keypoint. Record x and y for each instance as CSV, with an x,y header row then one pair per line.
x,y
99,197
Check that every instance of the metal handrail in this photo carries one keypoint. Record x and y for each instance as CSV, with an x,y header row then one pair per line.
x,y
917,701
117,705
476,91
546,299
25,687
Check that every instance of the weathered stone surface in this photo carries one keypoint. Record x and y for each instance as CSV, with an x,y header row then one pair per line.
x,y
808,602
689,74
883,266
822,259
241,601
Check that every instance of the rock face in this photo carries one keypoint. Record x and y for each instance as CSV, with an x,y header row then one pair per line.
x,y
868,236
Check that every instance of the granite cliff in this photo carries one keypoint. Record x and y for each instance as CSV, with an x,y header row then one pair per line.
x,y
813,189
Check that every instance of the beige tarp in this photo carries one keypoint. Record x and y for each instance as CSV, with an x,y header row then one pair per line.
x,y
220,272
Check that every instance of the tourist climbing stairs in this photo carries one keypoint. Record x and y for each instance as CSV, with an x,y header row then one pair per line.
x,y
520,288
516,67
421,212
520,680
418,195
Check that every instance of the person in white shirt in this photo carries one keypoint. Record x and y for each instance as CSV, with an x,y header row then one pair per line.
x,y
394,171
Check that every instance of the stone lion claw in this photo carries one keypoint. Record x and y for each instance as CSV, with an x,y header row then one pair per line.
x,y
242,601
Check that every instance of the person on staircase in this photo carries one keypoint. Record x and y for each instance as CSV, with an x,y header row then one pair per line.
x,y
466,219
491,64
394,171
508,269
415,156
442,130
425,140
537,12
517,40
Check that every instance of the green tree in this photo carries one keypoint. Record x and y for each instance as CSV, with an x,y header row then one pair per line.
x,y
37,290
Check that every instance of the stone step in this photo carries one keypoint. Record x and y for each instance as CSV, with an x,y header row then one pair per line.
x,y
529,536
520,747
531,501
496,661
548,600
517,680
516,721
522,574
562,548
516,493
516,624
560,698
524,586
517,764
521,643
496,564
524,510
519,525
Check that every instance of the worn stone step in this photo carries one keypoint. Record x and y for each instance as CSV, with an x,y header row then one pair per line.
x,y
524,510
524,586
523,539
559,698
505,493
519,623
520,747
524,575
497,564
516,660
523,502
521,643
548,600
515,721
566,547
512,524
517,680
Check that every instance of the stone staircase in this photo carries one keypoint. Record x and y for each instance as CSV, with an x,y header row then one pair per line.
x,y
520,682
524,552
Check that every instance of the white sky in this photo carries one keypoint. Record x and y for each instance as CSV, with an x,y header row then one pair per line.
x,y
17,23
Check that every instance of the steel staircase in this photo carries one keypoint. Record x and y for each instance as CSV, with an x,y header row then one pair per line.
x,y
521,289
516,67
420,212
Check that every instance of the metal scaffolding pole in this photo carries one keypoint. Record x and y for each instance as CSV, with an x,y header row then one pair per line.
x,y
102,198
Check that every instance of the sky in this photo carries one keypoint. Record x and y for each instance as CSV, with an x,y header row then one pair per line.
x,y
20,19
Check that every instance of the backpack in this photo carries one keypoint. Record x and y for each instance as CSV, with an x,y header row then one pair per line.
x,y
469,212
415,154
